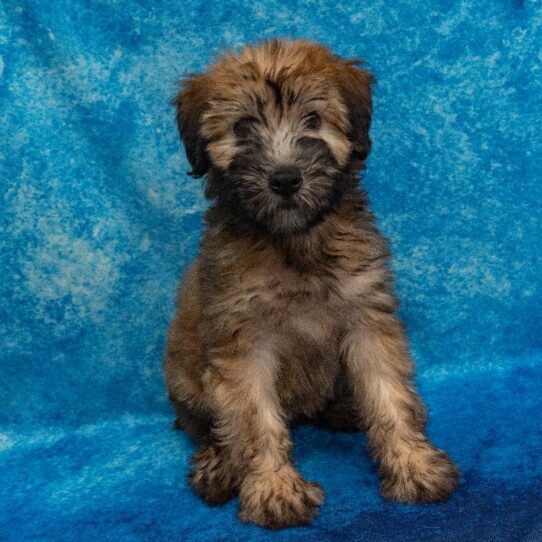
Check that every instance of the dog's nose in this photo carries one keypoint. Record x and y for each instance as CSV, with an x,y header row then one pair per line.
x,y
285,181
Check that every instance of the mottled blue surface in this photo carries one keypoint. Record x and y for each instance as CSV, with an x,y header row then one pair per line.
x,y
98,218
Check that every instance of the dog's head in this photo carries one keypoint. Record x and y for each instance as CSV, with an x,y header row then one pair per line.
x,y
279,129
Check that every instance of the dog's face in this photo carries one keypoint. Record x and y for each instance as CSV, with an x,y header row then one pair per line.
x,y
280,129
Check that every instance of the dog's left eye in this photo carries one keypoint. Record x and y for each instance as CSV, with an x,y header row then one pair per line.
x,y
243,126
313,121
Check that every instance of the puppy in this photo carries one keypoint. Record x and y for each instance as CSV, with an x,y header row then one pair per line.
x,y
288,313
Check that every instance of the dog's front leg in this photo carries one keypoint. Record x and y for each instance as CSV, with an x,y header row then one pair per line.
x,y
380,370
250,425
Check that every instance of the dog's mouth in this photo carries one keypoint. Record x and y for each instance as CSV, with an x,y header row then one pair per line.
x,y
288,204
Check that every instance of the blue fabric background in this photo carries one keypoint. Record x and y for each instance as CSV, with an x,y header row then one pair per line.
x,y
98,218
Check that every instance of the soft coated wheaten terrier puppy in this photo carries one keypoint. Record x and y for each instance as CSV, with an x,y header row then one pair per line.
x,y
288,313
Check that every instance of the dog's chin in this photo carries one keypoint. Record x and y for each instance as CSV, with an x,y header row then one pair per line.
x,y
289,219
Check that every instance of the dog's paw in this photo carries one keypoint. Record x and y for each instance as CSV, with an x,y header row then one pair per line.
x,y
279,499
212,477
426,475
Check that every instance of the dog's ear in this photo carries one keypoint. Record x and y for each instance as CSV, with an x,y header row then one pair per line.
x,y
191,102
355,86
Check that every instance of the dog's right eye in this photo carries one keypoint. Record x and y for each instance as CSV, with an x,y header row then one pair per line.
x,y
313,121
243,126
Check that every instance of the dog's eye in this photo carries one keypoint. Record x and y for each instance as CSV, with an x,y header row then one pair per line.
x,y
243,126
313,121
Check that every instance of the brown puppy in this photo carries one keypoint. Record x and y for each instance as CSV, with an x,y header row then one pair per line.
x,y
287,315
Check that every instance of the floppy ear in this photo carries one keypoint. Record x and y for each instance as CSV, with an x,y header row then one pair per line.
x,y
191,102
355,86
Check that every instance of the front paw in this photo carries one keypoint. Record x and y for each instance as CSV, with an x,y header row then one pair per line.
x,y
279,499
420,474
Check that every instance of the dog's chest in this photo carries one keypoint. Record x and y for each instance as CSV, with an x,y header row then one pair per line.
x,y
306,341
296,303
302,315
308,303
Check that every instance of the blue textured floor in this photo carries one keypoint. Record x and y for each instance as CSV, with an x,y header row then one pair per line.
x,y
98,218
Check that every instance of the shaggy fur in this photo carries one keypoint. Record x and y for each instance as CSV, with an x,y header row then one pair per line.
x,y
287,315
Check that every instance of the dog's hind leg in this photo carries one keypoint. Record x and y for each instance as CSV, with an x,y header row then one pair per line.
x,y
196,424
212,476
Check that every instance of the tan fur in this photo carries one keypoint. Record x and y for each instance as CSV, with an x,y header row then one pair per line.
x,y
275,329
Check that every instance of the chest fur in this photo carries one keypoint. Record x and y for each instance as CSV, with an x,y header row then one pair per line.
x,y
301,316
299,313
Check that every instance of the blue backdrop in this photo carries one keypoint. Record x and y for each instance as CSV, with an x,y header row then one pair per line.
x,y
98,218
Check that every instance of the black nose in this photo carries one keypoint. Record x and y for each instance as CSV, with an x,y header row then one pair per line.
x,y
285,181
